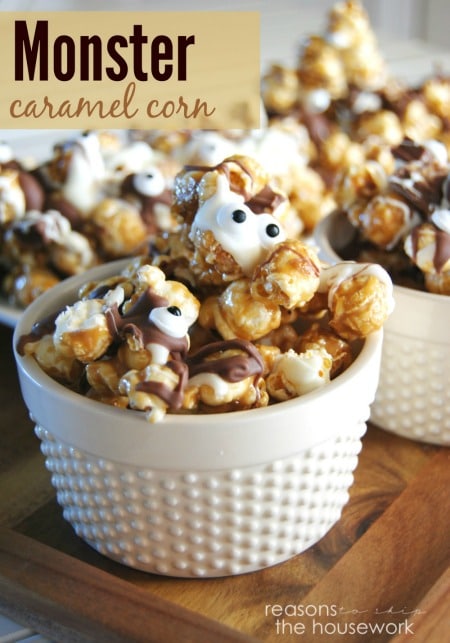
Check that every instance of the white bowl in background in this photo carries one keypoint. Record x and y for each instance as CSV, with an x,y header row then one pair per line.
x,y
413,395
198,495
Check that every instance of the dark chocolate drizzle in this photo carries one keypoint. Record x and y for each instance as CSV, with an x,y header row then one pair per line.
x,y
266,199
172,397
233,368
33,192
147,202
408,150
136,323
422,195
446,190
442,251
43,327
56,201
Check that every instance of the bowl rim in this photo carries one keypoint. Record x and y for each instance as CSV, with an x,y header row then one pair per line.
x,y
46,398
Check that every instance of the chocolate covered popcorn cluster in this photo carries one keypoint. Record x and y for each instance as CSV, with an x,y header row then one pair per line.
x,y
283,146
402,218
329,127
230,312
98,197
106,195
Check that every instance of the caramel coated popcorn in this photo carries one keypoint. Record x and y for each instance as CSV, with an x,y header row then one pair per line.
x,y
259,320
99,197
402,219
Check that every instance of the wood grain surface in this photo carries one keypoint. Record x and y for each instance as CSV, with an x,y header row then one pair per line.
x,y
380,574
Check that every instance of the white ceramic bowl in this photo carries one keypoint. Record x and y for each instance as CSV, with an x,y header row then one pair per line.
x,y
413,395
199,495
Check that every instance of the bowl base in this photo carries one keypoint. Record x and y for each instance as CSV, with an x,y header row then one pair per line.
x,y
204,523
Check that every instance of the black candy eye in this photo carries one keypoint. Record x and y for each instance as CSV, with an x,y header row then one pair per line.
x,y
272,230
239,216
174,310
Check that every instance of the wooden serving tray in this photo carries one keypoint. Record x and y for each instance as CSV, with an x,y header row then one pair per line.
x,y
381,574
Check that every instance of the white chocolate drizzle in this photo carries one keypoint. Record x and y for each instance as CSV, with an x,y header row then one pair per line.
x,y
247,241
331,277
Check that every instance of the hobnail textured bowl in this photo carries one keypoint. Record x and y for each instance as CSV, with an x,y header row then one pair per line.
x,y
413,395
199,495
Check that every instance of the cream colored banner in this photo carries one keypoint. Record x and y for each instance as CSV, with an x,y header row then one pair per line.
x,y
96,69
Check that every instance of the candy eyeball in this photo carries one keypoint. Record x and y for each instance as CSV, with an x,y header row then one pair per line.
x,y
170,320
149,183
239,220
270,230
234,218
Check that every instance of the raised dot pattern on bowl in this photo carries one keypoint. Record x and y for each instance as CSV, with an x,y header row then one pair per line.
x,y
413,396
208,523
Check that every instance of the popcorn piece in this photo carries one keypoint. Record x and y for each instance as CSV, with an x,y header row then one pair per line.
x,y
205,148
154,389
26,284
289,276
348,25
383,220
321,75
176,293
123,160
12,198
339,349
46,239
360,183
231,218
150,192
383,125
280,89
310,197
436,92
82,186
72,254
226,376
419,124
439,283
236,313
360,297
250,308
118,227
338,151
64,368
350,32
104,375
429,247
296,374
82,330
